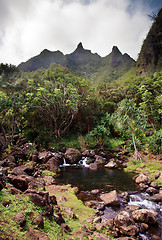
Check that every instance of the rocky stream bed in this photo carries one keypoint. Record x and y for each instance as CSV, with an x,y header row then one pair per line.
x,y
118,213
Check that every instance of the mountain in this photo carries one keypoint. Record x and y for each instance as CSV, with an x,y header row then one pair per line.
x,y
83,62
150,57
44,59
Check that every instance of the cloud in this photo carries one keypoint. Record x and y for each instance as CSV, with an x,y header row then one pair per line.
x,y
29,26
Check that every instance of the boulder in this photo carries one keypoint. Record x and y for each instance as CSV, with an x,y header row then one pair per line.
x,y
111,198
34,156
2,180
58,218
49,180
53,164
99,160
36,183
44,156
18,181
152,190
154,184
36,199
72,156
160,178
156,197
35,235
125,224
20,219
145,215
23,170
93,166
142,178
38,221
89,153
111,164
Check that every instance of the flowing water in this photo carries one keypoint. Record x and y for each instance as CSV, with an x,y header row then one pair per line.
x,y
106,180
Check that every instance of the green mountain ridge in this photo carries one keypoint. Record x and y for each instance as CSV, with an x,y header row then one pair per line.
x,y
84,63
96,69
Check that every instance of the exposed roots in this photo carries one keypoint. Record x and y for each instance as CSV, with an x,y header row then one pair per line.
x,y
137,156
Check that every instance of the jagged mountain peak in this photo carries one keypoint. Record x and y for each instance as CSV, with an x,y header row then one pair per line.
x,y
115,49
80,46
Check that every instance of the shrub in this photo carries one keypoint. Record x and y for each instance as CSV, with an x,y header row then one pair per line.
x,y
155,142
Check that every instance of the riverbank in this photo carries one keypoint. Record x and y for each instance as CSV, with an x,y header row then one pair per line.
x,y
32,205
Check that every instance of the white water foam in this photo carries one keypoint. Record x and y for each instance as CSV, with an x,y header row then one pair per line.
x,y
141,201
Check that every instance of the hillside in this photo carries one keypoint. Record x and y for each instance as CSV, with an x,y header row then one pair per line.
x,y
84,63
150,57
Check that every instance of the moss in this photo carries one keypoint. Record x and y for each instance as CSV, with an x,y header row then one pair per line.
x,y
81,211
152,166
48,173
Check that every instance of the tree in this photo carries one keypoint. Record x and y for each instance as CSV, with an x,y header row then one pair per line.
x,y
130,116
56,97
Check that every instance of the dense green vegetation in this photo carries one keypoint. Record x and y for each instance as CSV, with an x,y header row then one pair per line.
x,y
47,105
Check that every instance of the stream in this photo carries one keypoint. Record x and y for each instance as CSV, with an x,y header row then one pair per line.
x,y
106,180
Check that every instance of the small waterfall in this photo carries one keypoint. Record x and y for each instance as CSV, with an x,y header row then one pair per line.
x,y
141,201
83,162
65,164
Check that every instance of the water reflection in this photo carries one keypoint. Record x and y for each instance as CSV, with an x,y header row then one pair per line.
x,y
104,179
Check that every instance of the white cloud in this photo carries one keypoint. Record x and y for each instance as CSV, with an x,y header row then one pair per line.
x,y
30,26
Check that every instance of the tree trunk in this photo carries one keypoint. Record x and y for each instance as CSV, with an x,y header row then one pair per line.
x,y
136,155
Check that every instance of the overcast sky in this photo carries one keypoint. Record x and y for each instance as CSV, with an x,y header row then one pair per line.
x,y
29,26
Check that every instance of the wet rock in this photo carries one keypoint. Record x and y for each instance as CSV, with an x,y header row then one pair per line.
x,y
156,197
125,224
72,156
143,186
99,160
145,215
89,153
44,156
111,164
132,208
142,178
152,190
95,191
125,197
93,166
38,221
154,184
90,160
53,164
20,219
18,182
143,227
109,223
111,198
